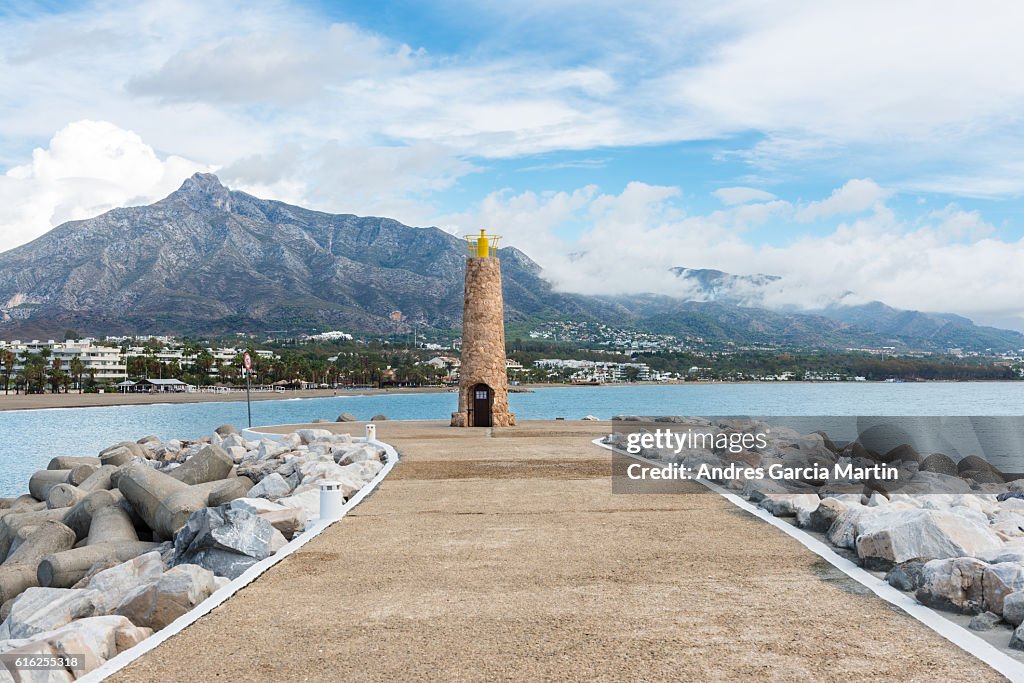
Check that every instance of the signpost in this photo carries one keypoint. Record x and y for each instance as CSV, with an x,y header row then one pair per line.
x,y
247,371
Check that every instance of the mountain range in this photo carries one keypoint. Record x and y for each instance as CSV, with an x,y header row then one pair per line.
x,y
207,260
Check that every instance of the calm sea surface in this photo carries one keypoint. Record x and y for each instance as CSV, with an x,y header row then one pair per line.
x,y
28,439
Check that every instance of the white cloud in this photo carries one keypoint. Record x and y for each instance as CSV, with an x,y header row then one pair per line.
x,y
392,181
855,196
731,196
944,261
221,81
88,167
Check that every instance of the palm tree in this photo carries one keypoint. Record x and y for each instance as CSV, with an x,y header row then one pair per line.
x,y
55,375
8,361
77,368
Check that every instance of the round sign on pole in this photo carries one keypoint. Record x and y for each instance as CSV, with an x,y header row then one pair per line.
x,y
247,361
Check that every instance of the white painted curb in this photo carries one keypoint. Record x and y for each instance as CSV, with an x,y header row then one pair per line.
x,y
956,634
122,660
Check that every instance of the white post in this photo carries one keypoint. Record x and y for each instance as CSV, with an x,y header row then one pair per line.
x,y
331,499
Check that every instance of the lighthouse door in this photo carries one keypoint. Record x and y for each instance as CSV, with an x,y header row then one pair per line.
x,y
482,398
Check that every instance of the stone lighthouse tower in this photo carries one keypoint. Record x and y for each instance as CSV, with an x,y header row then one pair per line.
x,y
483,383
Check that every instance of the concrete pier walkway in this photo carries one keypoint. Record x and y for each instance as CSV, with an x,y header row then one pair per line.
x,y
505,556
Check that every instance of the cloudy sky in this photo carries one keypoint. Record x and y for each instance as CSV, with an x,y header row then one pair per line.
x,y
870,147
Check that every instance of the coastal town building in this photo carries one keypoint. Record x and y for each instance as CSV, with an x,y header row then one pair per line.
x,y
103,363
107,362
156,386
483,378
601,371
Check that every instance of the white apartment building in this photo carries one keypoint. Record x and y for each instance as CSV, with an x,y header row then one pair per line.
x,y
599,371
105,363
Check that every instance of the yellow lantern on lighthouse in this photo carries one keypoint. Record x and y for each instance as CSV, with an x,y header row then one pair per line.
x,y
482,245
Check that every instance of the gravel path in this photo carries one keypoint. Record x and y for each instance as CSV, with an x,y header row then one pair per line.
x,y
506,557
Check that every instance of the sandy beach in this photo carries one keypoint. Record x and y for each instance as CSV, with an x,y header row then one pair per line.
x,y
73,400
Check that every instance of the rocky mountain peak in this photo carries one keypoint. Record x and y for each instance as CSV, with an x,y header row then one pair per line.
x,y
204,192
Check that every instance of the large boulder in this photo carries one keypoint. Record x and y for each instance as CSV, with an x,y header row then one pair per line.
x,y
1000,580
986,621
790,504
1013,608
822,516
226,430
211,463
308,501
941,463
891,537
271,487
38,610
268,448
358,453
955,584
97,638
973,463
347,417
844,530
904,452
112,585
906,576
158,603
226,541
352,477
308,436
288,520
256,506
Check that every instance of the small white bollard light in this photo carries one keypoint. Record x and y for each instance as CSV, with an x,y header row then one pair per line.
x,y
371,433
331,499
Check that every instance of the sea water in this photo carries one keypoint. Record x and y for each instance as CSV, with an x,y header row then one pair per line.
x,y
29,438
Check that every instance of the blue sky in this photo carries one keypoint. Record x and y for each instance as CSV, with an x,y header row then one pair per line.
x,y
870,148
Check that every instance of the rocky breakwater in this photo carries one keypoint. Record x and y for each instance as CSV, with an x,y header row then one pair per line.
x,y
950,532
103,551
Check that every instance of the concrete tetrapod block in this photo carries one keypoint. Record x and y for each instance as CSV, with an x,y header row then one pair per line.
x,y
111,524
228,490
65,569
40,483
112,537
162,501
210,464
63,496
80,473
69,462
23,503
20,536
79,517
19,571
10,524
118,456
99,479
135,449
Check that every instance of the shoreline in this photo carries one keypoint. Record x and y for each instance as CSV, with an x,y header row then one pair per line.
x,y
11,402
